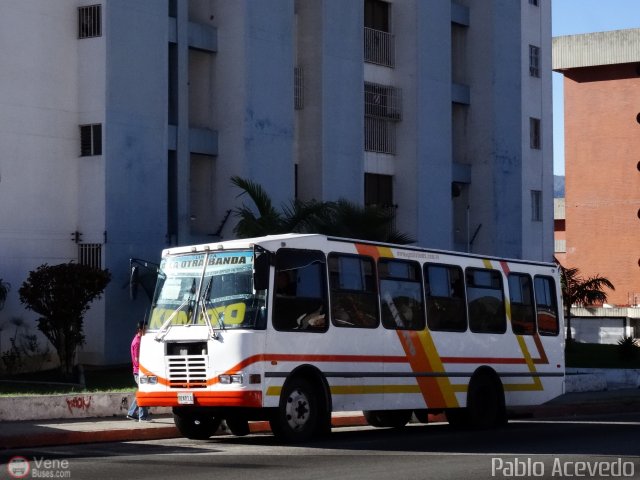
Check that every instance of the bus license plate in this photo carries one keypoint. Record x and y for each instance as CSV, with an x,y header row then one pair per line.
x,y
185,398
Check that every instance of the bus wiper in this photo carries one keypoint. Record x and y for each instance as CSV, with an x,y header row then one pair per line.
x,y
164,329
203,308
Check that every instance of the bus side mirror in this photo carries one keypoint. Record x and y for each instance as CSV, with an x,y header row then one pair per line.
x,y
134,281
261,265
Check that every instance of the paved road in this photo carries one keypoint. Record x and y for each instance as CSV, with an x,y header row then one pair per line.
x,y
544,449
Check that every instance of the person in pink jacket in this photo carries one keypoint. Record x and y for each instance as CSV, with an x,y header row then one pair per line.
x,y
137,413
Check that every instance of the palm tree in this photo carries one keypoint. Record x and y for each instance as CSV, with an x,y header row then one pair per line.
x,y
580,291
269,221
346,219
340,218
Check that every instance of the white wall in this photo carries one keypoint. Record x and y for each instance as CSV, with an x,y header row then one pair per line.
x,y
40,141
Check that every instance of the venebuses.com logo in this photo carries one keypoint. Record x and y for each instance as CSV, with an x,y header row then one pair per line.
x,y
39,467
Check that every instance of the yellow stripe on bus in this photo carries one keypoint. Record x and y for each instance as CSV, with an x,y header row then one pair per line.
x,y
532,368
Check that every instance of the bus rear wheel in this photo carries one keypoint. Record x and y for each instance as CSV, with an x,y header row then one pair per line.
x,y
387,418
297,417
196,425
485,401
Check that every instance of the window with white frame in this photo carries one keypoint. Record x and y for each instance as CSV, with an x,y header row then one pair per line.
x,y
536,205
90,21
90,140
534,61
535,140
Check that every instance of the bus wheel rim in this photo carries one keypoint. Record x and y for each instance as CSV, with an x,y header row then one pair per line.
x,y
297,410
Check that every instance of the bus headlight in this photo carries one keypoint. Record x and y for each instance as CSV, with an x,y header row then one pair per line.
x,y
151,379
226,379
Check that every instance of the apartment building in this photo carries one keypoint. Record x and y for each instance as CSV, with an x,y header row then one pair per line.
x,y
122,123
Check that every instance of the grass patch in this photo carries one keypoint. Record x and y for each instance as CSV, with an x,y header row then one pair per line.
x,y
595,355
49,382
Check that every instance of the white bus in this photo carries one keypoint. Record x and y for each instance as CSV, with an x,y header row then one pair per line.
x,y
290,328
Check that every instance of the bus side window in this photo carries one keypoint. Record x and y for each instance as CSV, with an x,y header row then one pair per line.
x,y
401,294
446,305
300,299
485,300
546,306
354,299
523,315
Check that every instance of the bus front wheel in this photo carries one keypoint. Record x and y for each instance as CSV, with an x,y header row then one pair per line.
x,y
196,425
297,417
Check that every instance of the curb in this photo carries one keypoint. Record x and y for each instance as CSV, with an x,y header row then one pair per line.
x,y
75,437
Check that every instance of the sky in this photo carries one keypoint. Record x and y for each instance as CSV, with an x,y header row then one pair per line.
x,y
569,17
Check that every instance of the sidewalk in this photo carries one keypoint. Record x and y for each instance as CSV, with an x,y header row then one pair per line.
x,y
38,433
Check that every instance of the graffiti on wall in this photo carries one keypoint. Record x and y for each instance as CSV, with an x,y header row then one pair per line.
x,y
79,403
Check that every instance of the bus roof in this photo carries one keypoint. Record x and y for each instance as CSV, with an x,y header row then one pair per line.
x,y
314,240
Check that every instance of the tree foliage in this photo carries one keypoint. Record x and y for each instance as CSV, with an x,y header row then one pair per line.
x,y
4,292
61,295
340,218
580,291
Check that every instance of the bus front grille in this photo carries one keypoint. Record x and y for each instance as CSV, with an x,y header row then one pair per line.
x,y
187,371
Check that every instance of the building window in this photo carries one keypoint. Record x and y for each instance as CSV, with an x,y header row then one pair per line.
x,y
89,21
376,15
298,88
534,61
379,45
382,101
378,190
536,205
533,2
90,254
382,109
90,140
379,136
534,133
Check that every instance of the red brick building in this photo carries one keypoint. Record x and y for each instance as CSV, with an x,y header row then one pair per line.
x,y
602,156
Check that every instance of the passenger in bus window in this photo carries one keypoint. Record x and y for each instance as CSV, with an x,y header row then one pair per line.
x,y
285,283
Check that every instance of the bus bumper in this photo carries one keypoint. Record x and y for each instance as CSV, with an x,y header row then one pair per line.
x,y
249,398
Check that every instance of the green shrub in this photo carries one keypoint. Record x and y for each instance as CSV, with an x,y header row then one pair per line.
x,y
61,295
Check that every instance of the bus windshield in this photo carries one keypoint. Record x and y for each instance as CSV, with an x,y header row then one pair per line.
x,y
214,289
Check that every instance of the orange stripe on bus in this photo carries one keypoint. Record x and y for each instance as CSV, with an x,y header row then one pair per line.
x,y
373,251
